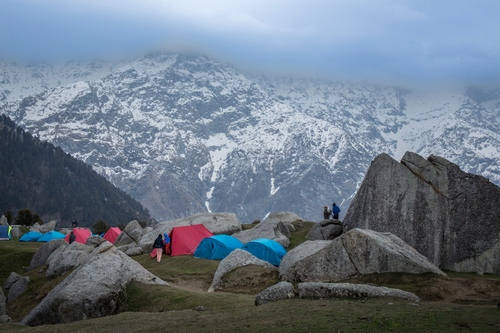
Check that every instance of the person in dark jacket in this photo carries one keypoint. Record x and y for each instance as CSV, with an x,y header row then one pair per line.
x,y
72,237
326,213
335,211
158,245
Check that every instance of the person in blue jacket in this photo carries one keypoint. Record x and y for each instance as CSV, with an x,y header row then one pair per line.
x,y
335,211
158,245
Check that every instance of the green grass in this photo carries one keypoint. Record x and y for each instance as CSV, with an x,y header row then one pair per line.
x,y
146,308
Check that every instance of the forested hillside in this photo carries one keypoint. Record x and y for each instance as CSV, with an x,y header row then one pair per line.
x,y
51,183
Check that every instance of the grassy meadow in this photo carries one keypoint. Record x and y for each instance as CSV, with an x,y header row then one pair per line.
x,y
186,306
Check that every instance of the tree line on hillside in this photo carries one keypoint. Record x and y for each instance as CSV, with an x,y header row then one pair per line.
x,y
52,184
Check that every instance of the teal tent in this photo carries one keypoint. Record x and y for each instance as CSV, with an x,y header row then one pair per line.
x,y
5,232
217,247
31,236
50,235
266,249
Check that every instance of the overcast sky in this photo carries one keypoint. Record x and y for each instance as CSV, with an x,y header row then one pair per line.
x,y
410,41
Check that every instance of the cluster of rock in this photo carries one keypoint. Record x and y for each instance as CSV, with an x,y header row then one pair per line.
x,y
415,217
449,216
100,273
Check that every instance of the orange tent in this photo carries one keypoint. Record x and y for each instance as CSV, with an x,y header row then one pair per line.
x,y
112,234
82,234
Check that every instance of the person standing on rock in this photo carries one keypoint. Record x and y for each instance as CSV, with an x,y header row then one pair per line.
x,y
335,211
326,213
158,245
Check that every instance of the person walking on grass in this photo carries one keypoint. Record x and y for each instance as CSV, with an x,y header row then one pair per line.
x,y
158,245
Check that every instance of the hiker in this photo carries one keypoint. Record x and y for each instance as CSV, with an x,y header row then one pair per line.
x,y
335,211
72,237
167,243
158,245
326,213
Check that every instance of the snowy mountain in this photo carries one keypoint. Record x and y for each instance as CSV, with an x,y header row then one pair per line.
x,y
184,133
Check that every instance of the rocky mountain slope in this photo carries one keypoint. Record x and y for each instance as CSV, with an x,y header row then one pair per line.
x,y
183,133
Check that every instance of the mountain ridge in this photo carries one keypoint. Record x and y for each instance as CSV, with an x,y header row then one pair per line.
x,y
183,133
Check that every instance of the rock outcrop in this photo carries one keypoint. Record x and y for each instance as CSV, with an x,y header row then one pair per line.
x,y
16,285
92,289
319,290
43,253
279,291
355,252
236,258
67,257
449,216
131,234
325,230
277,226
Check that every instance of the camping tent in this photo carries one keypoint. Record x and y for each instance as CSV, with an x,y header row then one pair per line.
x,y
50,235
31,236
82,234
266,249
217,247
5,232
185,239
112,234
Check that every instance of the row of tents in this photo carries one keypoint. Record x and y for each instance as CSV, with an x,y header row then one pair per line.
x,y
194,240
82,234
200,242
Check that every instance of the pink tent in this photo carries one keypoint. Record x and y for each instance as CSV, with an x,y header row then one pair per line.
x,y
185,239
82,234
112,234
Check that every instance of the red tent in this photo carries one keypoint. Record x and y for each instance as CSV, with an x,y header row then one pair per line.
x,y
82,234
185,239
112,234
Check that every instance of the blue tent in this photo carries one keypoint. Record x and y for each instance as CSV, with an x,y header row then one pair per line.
x,y
217,247
5,232
31,236
266,249
50,235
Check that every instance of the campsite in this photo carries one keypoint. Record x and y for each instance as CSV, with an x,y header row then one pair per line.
x,y
461,302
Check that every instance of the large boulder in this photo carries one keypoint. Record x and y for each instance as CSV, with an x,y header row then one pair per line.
x,y
277,226
279,291
450,216
235,259
43,253
65,258
354,253
16,285
319,290
217,223
131,234
325,230
92,289
49,226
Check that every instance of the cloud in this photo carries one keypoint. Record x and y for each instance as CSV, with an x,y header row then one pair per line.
x,y
411,40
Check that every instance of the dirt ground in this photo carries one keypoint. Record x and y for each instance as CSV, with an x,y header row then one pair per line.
x,y
473,290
